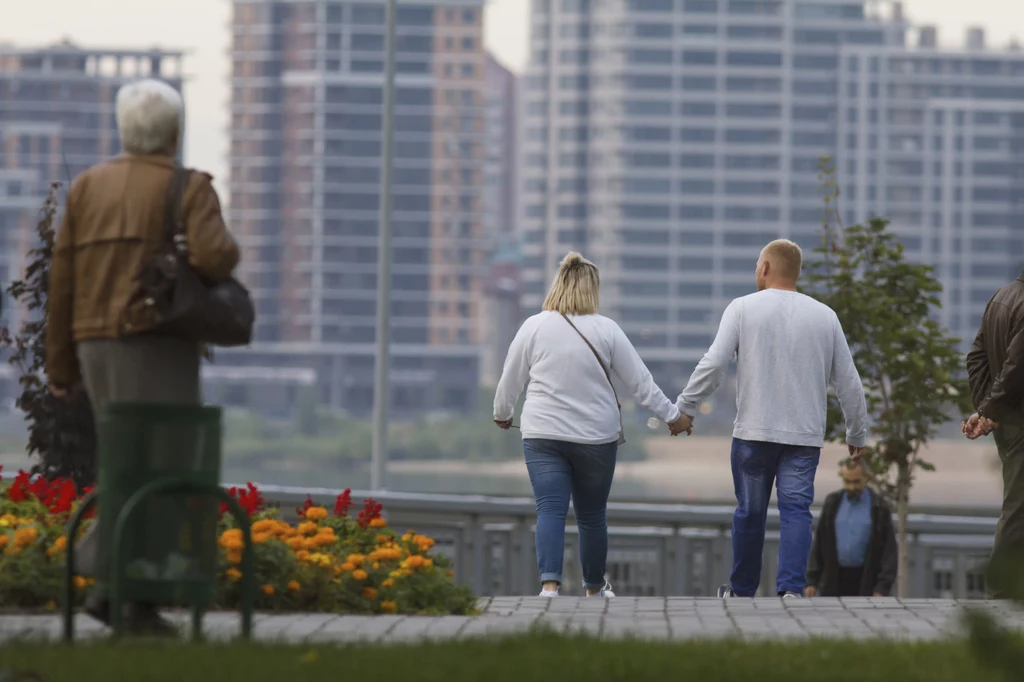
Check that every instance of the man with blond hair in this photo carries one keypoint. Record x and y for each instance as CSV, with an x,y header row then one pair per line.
x,y
789,348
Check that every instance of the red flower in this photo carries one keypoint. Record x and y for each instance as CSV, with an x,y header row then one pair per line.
x,y
342,503
305,505
371,510
249,499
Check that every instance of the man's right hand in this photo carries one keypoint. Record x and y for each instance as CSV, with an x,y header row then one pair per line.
x,y
977,426
810,591
856,453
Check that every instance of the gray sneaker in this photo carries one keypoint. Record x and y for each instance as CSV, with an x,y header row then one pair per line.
x,y
791,595
725,592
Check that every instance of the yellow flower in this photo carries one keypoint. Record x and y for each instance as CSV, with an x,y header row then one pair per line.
x,y
80,582
316,514
355,559
388,583
396,573
294,586
388,607
307,528
268,590
234,575
359,575
378,523
369,593
347,566
324,562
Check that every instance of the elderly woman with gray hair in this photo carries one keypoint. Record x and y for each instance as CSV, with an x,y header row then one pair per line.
x,y
99,337
571,422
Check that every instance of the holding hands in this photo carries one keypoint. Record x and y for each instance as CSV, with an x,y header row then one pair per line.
x,y
681,425
977,426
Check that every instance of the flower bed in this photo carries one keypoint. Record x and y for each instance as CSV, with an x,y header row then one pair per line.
x,y
327,562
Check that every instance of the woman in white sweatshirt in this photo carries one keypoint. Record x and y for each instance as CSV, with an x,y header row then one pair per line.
x,y
571,422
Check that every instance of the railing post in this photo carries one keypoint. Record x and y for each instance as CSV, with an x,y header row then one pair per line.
x,y
481,568
682,562
526,558
919,586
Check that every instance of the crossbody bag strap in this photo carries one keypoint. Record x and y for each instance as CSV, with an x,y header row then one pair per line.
x,y
174,219
593,350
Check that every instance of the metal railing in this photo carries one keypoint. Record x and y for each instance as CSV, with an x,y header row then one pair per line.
x,y
653,549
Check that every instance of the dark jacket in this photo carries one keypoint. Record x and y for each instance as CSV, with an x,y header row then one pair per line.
x,y
880,564
995,364
114,223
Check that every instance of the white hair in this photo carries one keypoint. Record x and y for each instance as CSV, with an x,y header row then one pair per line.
x,y
150,117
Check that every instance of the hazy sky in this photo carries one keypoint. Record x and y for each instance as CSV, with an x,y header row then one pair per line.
x,y
201,27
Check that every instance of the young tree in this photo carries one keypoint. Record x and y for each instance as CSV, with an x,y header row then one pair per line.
x,y
61,431
912,369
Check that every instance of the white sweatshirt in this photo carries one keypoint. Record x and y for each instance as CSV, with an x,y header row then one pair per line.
x,y
569,397
788,349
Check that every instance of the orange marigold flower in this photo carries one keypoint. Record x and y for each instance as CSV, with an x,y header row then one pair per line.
x,y
383,539
261,538
378,523
348,566
388,607
356,559
294,586
451,574
4,539
414,561
302,555
427,563
423,542
269,590
80,582
307,528
264,526
325,540
232,544
316,514
376,564
369,593
51,605
233,574
24,537
296,543
359,574
234,556
60,544
388,583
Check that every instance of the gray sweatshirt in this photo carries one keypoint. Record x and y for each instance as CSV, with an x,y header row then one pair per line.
x,y
788,349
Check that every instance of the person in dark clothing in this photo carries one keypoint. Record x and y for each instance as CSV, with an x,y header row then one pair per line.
x,y
995,371
854,550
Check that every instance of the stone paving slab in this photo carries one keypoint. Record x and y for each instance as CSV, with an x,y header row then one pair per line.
x,y
646,618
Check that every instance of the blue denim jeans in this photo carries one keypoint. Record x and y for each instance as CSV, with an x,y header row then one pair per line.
x,y
559,470
756,466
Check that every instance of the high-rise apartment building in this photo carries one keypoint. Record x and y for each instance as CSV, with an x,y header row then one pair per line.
x,y
306,153
56,120
501,313
671,139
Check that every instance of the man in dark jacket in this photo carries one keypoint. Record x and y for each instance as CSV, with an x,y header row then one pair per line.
x,y
995,370
854,550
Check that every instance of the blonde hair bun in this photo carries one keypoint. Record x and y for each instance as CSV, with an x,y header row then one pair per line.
x,y
572,258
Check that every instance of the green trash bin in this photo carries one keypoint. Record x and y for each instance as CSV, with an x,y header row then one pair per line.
x,y
159,508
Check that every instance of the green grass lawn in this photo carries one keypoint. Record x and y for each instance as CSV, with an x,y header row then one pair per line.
x,y
529,658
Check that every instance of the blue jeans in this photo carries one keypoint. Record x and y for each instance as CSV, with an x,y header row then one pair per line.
x,y
559,470
756,466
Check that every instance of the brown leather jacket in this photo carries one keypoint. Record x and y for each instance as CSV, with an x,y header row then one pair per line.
x,y
114,223
995,364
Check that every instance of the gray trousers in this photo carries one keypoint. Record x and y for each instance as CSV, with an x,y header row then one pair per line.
x,y
134,369
1008,549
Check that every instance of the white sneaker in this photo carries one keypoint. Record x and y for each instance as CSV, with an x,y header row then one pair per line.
x,y
549,593
605,592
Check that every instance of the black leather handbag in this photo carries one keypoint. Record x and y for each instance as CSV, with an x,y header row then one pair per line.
x,y
182,303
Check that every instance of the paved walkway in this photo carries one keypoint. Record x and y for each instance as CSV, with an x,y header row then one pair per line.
x,y
680,618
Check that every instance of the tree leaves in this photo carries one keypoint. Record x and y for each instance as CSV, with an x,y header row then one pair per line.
x,y
61,431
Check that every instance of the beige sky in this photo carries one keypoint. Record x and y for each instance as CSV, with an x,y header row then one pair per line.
x,y
201,28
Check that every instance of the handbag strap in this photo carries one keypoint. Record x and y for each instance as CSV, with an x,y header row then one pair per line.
x,y
174,220
593,350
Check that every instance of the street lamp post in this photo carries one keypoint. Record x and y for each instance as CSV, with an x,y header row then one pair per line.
x,y
381,382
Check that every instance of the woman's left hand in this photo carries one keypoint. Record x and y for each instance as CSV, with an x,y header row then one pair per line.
x,y
503,424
